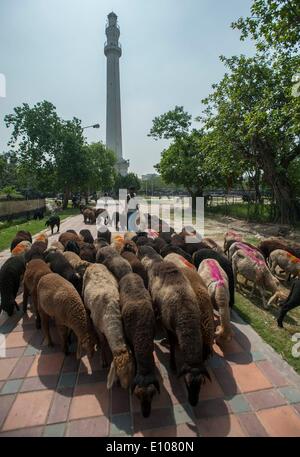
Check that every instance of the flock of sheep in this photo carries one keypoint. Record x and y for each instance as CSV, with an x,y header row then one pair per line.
x,y
111,292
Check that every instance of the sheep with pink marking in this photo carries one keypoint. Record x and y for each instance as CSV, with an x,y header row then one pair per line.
x,y
216,282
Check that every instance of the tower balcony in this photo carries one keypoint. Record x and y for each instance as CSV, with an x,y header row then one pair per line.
x,y
115,48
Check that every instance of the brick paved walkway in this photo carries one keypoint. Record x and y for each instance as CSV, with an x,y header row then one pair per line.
x,y
43,393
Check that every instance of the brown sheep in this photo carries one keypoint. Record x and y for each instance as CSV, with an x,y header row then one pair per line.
x,y
101,297
87,251
68,236
36,251
173,296
55,246
180,261
229,236
35,269
139,327
41,237
136,265
21,235
206,309
129,246
77,263
89,216
58,298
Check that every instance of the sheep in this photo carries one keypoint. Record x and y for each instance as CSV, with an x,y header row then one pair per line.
x,y
231,235
246,248
177,240
35,269
59,264
117,242
255,270
86,236
216,282
139,327
77,263
143,241
55,246
21,248
72,246
136,265
11,274
292,301
129,235
59,299
36,251
270,244
87,252
101,297
130,246
42,237
104,234
180,261
99,243
72,231
173,296
212,244
21,235
206,310
177,250
68,236
89,216
198,256
148,255
116,264
286,261
159,244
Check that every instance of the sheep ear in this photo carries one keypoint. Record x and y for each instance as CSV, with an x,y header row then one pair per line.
x,y
78,353
111,376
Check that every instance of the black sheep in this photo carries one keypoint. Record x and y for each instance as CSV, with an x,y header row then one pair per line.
x,y
72,246
11,274
159,244
104,234
224,263
177,250
87,236
291,302
60,265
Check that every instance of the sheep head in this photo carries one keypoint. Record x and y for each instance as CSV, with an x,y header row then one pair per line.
x,y
193,379
144,388
130,246
122,368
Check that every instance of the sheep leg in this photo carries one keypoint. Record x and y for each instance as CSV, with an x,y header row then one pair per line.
x,y
64,333
45,327
172,341
25,298
224,331
105,351
35,309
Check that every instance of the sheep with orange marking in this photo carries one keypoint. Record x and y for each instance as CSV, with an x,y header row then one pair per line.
x,y
216,282
179,260
21,248
286,261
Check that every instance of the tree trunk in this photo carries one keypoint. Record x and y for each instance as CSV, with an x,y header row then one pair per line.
x,y
283,194
66,198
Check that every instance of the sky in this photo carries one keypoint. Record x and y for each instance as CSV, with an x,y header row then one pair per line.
x,y
53,50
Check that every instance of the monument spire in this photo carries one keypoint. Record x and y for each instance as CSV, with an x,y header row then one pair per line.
x,y
113,52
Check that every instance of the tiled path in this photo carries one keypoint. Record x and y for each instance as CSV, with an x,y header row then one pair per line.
x,y
43,393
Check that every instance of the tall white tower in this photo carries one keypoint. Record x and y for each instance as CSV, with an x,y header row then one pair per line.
x,y
113,52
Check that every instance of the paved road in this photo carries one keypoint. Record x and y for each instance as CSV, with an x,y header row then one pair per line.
x,y
43,393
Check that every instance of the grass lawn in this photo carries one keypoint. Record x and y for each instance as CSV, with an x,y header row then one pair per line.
x,y
258,213
7,233
264,323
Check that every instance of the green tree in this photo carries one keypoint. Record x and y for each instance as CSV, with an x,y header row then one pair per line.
x,y
171,125
272,24
255,123
125,182
100,172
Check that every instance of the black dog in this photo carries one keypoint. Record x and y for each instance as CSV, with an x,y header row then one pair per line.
x,y
52,221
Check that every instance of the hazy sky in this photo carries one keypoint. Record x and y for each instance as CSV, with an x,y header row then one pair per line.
x,y
53,50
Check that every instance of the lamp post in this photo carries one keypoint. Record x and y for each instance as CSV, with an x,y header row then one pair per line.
x,y
94,126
